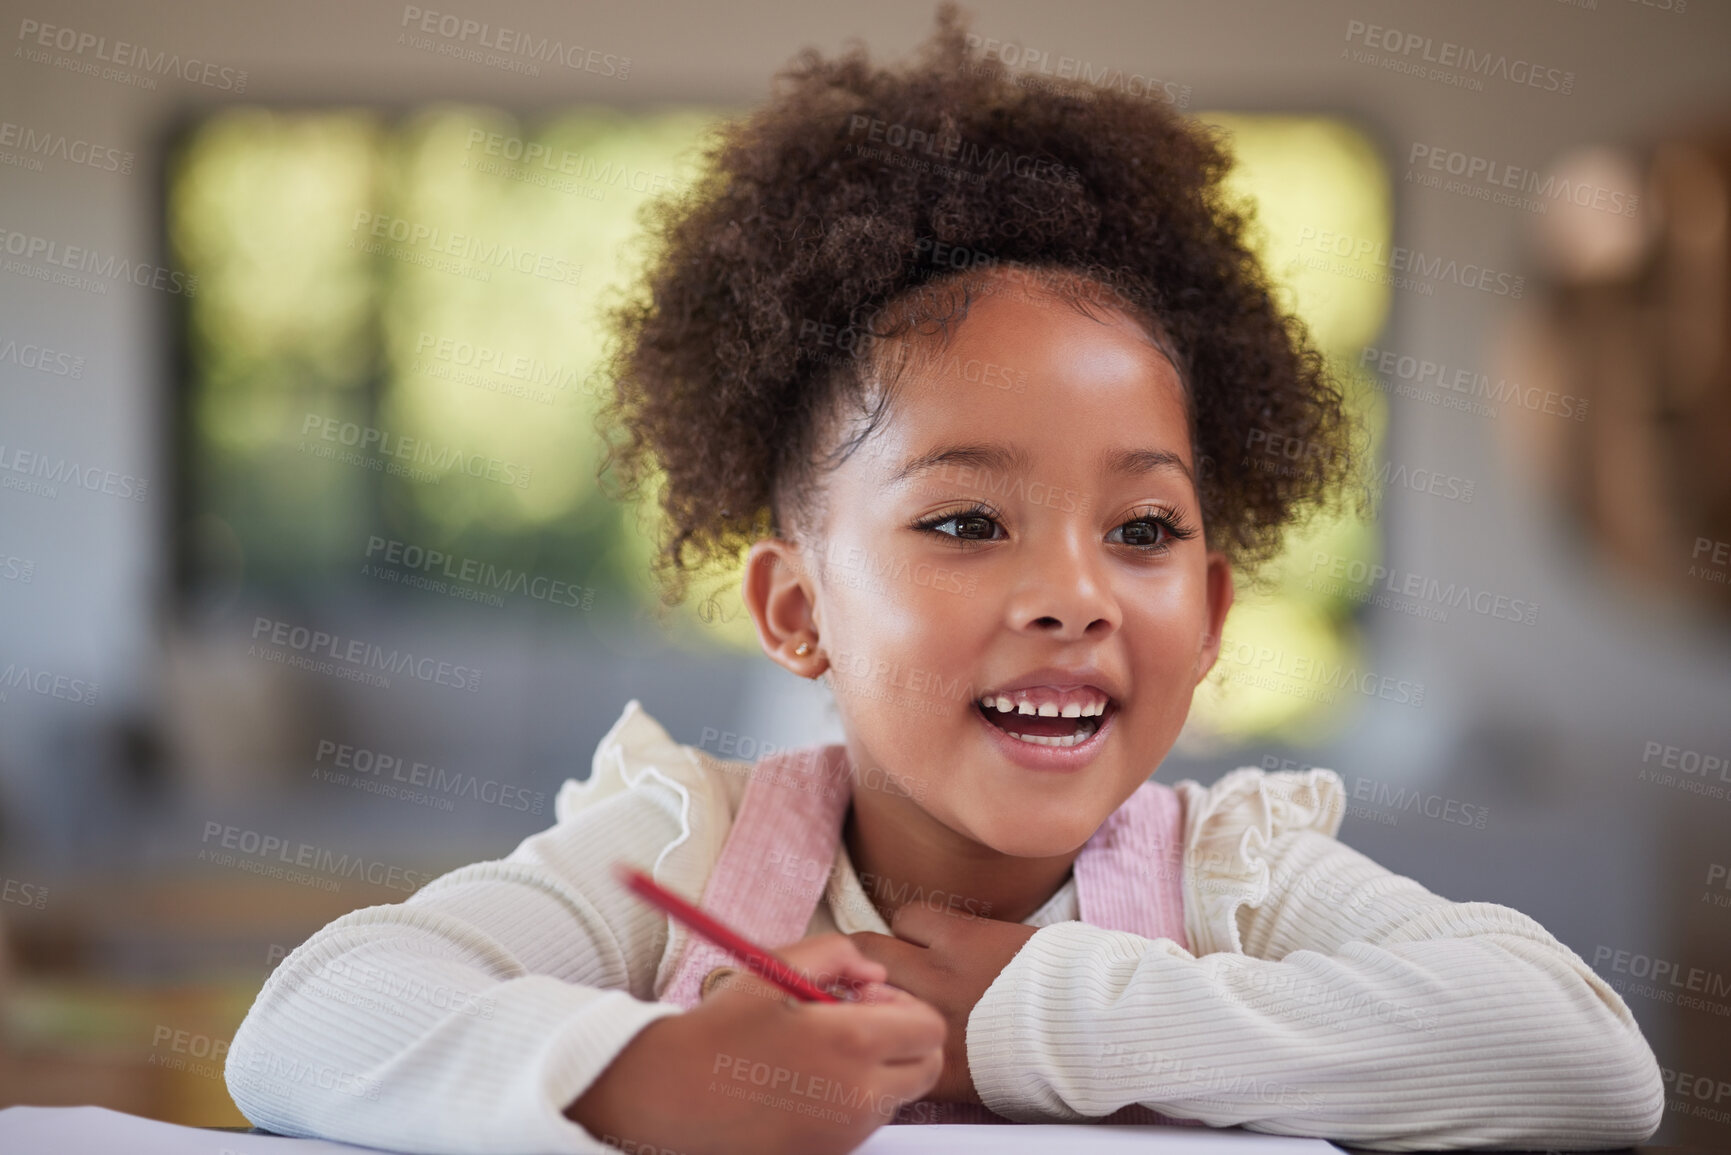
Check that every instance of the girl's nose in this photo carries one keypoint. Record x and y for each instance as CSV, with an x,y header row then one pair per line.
x,y
1063,592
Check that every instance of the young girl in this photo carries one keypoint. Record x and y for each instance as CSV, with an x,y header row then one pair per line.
x,y
969,370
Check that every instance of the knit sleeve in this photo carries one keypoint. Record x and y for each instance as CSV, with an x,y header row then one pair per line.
x,y
467,1017
1328,997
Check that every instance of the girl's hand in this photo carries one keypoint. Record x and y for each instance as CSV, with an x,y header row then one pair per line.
x,y
947,960
752,1069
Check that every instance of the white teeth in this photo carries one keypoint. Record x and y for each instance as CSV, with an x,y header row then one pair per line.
x,y
1081,735
1005,705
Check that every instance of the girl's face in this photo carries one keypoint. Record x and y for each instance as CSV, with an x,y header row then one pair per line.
x,y
1021,534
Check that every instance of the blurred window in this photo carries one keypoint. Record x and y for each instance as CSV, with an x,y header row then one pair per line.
x,y
389,366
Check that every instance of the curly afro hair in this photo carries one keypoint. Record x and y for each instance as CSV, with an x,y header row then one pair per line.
x,y
831,218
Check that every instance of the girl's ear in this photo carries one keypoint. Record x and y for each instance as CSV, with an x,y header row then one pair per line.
x,y
778,590
1220,595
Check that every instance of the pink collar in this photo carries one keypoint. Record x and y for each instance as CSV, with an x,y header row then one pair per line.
x,y
782,845
778,854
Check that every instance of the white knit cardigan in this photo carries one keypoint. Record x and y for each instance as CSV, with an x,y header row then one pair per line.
x,y
1321,995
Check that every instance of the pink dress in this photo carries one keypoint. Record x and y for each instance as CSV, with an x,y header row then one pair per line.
x,y
1128,877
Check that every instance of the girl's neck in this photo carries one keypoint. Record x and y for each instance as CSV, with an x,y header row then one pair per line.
x,y
902,854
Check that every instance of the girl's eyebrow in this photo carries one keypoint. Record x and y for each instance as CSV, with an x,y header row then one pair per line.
x,y
996,458
1136,462
1013,460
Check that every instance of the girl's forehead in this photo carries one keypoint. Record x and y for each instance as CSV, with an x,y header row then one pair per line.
x,y
1017,332
1022,353
1048,385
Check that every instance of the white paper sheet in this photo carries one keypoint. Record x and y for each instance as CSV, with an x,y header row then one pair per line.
x,y
1064,1138
99,1131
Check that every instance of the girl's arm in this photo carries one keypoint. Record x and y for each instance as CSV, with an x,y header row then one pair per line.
x,y
1364,1008
469,1016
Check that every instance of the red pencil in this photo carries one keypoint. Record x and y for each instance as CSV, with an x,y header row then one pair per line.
x,y
757,960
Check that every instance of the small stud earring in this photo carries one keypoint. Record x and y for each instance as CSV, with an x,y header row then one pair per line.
x,y
802,649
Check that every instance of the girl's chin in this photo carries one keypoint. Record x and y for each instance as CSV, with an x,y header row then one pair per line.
x,y
1013,847
1033,831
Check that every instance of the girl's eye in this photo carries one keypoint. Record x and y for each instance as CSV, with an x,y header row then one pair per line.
x,y
969,526
1143,532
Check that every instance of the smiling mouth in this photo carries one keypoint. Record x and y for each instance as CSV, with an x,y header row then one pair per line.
x,y
1045,725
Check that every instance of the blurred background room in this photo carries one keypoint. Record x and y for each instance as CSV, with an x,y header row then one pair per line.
x,y
299,346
